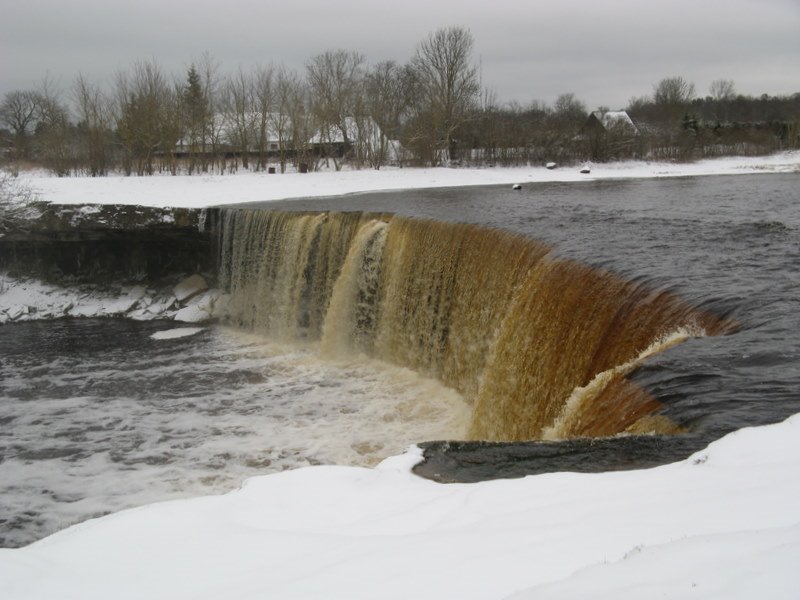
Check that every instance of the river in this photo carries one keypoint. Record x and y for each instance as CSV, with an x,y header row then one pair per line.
x,y
98,416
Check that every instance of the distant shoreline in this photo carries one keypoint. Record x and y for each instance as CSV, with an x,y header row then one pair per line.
x,y
199,191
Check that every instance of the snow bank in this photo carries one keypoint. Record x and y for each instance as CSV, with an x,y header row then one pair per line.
x,y
200,191
722,524
30,299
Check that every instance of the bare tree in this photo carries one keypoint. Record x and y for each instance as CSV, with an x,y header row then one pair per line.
x,y
239,106
94,126
19,112
18,205
53,141
723,89
671,97
264,97
564,121
147,118
301,120
447,89
292,122
335,79
568,108
212,124
388,94
723,93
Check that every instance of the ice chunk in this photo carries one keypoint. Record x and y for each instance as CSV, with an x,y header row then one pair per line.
x,y
193,313
178,332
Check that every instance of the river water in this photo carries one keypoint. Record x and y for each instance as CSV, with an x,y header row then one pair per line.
x,y
96,416
730,244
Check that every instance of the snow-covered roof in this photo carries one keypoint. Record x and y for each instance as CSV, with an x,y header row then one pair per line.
x,y
225,129
615,118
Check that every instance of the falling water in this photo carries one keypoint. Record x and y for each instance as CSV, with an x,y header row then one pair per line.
x,y
540,346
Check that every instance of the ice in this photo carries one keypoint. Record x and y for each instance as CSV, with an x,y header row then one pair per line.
x,y
177,332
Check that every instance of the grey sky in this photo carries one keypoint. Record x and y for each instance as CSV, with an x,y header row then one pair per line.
x,y
605,51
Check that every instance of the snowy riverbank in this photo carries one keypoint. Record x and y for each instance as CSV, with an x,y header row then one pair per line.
x,y
725,523
190,301
201,191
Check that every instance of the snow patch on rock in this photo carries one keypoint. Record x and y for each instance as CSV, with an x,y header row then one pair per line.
x,y
189,287
30,299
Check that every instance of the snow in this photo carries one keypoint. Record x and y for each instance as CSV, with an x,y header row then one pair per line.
x,y
25,299
207,190
177,332
721,524
189,287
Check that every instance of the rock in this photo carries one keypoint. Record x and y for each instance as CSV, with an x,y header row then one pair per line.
x,y
200,308
192,314
117,306
16,312
128,300
140,314
191,286
86,307
160,306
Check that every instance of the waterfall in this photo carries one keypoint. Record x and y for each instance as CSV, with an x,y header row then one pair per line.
x,y
541,346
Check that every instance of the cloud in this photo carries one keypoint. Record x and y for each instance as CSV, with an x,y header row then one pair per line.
x,y
604,52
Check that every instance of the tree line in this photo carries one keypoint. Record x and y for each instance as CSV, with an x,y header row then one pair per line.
x,y
341,109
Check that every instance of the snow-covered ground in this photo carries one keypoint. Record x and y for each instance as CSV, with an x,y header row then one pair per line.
x,y
200,191
723,524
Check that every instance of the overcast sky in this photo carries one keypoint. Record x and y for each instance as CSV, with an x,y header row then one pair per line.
x,y
605,51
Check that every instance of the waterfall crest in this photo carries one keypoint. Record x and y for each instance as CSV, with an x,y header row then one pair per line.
x,y
539,345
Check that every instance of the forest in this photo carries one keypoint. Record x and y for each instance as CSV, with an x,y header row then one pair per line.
x,y
343,110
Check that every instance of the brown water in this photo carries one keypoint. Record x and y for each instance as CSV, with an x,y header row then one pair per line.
x,y
520,332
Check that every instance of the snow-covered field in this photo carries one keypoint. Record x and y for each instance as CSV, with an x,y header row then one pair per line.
x,y
725,523
200,191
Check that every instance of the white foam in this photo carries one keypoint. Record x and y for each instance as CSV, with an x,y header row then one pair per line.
x,y
149,421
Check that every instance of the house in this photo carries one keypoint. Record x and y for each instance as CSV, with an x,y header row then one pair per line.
x,y
610,121
365,142
609,135
273,136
